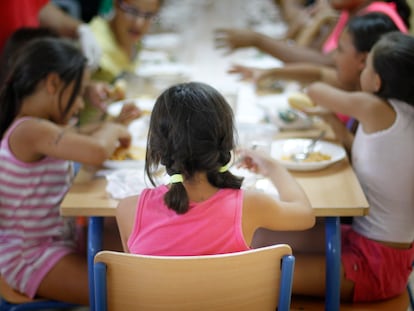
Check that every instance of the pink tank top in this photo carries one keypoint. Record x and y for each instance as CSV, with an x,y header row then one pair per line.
x,y
388,8
209,227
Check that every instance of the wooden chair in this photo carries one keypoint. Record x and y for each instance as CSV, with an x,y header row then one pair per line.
x,y
12,300
259,279
399,303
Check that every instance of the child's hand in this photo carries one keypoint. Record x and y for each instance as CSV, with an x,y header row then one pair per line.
x,y
232,39
246,73
124,136
125,139
97,93
256,161
129,112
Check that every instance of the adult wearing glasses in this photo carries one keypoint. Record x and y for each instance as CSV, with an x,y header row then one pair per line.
x,y
119,36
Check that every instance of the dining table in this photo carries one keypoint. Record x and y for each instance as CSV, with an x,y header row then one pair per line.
x,y
333,191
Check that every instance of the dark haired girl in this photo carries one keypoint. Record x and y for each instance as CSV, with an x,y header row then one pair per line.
x,y
39,99
203,210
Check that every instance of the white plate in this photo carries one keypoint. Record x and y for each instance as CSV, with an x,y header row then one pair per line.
x,y
143,103
162,41
164,70
286,147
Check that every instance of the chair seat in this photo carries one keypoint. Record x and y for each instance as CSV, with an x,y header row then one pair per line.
x,y
399,303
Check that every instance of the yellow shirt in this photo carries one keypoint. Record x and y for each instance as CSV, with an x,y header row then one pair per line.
x,y
114,60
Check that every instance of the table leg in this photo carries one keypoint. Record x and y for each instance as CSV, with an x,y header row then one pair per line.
x,y
333,263
95,234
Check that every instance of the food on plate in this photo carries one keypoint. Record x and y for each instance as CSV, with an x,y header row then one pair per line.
x,y
118,90
315,156
300,101
131,153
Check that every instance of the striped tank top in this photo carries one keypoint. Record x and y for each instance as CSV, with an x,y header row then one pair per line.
x,y
33,235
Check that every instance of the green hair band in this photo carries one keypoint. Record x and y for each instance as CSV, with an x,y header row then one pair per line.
x,y
176,178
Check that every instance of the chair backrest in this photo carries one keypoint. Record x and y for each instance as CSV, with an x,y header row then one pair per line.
x,y
259,279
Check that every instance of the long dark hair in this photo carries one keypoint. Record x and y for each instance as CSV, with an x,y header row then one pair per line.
x,y
393,61
191,130
39,58
17,41
366,29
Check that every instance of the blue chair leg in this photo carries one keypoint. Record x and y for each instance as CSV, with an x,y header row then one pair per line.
x,y
285,291
333,263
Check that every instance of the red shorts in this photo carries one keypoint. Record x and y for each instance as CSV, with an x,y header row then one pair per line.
x,y
378,271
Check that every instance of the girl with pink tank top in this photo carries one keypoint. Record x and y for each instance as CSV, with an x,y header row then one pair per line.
x,y
203,210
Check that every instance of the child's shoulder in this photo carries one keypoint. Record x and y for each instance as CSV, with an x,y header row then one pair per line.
x,y
35,123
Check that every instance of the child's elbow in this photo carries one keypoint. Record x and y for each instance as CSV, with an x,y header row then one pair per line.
x,y
311,220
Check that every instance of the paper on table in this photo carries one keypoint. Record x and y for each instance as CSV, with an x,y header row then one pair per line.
x,y
125,182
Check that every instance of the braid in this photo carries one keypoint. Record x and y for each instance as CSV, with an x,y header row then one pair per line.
x,y
177,199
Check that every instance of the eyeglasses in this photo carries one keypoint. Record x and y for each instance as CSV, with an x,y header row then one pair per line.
x,y
134,13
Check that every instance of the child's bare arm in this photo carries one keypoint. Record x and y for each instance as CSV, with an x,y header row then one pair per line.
x,y
37,138
125,218
291,211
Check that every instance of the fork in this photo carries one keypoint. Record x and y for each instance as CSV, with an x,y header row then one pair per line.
x,y
301,156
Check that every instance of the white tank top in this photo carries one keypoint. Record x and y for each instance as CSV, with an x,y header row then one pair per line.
x,y
384,164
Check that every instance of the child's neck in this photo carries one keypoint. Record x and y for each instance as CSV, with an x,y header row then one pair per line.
x,y
199,189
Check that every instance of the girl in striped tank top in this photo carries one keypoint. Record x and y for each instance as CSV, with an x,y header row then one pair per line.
x,y
40,98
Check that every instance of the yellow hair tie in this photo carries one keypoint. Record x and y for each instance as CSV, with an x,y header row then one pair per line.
x,y
176,178
224,168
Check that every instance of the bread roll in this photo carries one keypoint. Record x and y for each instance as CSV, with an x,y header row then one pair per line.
x,y
300,101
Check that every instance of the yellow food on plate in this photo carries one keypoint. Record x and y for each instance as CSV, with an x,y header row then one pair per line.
x,y
313,157
131,153
300,101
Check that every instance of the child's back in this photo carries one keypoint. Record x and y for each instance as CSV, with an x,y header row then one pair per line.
x,y
203,210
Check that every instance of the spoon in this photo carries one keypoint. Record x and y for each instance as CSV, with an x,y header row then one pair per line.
x,y
301,156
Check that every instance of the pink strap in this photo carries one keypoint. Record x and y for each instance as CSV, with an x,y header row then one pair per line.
x,y
388,8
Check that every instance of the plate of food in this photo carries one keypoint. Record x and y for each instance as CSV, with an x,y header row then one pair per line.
x,y
132,157
323,154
